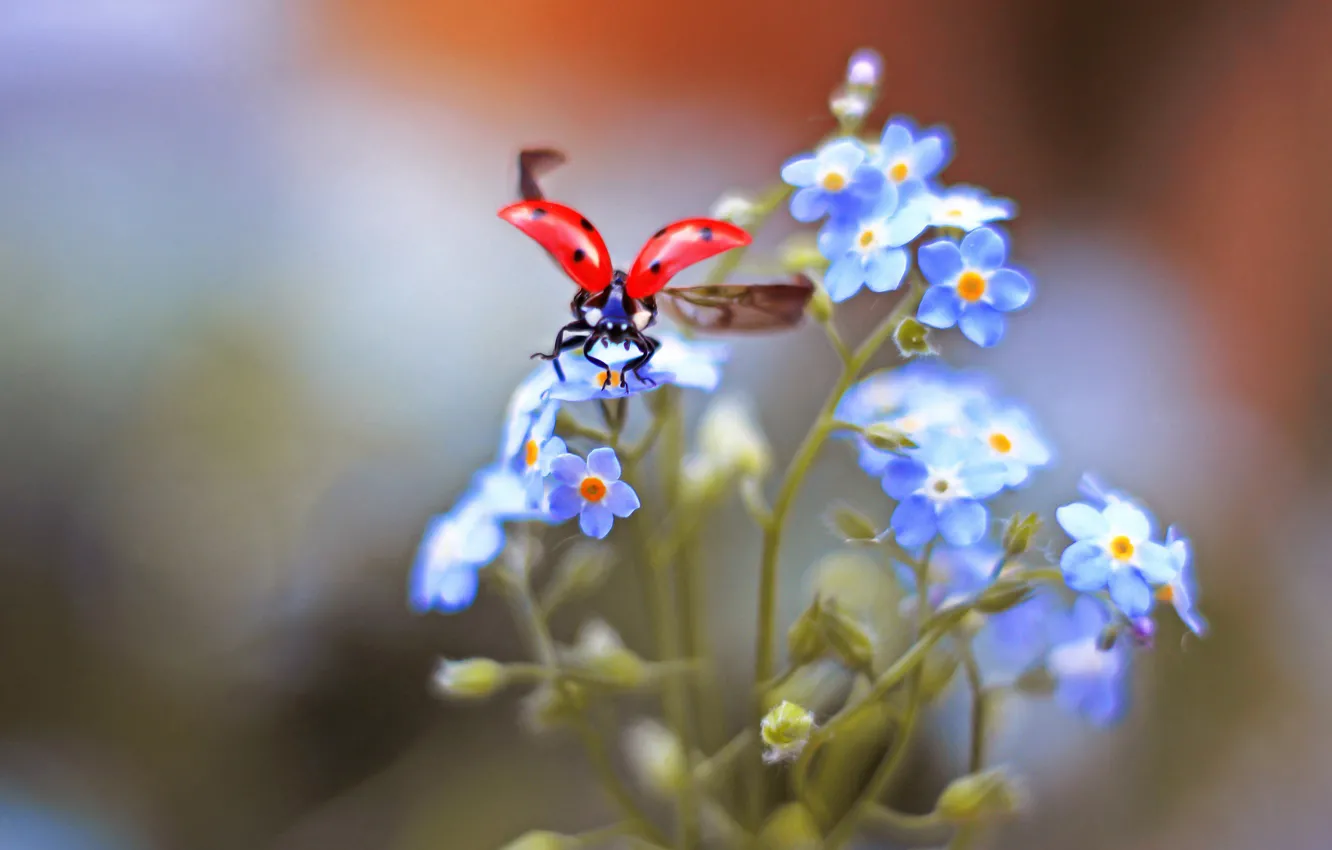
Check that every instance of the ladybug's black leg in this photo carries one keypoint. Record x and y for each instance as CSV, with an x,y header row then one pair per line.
x,y
578,326
587,352
648,346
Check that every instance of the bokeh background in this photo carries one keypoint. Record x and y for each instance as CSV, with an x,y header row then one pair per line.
x,y
258,321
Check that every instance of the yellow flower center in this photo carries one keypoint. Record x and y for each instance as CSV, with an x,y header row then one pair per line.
x,y
898,172
971,286
593,489
954,213
941,486
866,238
1166,594
531,453
833,181
608,379
1000,443
1121,548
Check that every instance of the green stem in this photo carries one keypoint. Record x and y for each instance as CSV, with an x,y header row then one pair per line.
x,y
929,830
965,838
976,759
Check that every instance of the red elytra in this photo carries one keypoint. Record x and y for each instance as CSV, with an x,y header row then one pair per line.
x,y
568,237
677,246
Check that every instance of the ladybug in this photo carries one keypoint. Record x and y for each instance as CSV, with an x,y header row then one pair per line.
x,y
612,307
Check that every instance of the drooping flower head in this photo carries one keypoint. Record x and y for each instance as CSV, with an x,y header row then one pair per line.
x,y
940,487
868,251
968,208
696,365
591,490
1089,680
1182,592
970,286
909,155
1113,550
837,180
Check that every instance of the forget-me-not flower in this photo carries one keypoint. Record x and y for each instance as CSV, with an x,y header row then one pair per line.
x,y
970,286
1182,591
869,251
837,179
1113,550
968,207
909,155
1089,680
695,365
591,490
1006,432
939,487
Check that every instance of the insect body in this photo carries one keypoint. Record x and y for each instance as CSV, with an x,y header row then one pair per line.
x,y
612,307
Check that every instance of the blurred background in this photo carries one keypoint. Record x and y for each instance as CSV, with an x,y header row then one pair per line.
x,y
258,321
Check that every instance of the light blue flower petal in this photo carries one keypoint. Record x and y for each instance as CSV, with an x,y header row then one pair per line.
x,y
621,499
836,238
931,154
844,277
1156,562
1085,565
984,249
986,478
843,154
1081,521
1127,518
903,476
873,461
800,171
885,270
553,448
940,261
456,590
1130,593
913,522
1009,290
889,197
909,222
982,324
596,520
565,503
867,184
962,522
809,204
568,469
939,307
895,140
603,463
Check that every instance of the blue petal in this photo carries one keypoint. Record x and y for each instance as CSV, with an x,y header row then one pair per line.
x,y
809,204
1158,566
621,499
596,520
982,324
940,261
800,171
984,249
565,503
932,153
939,307
455,590
844,278
908,223
885,270
962,522
1127,518
986,478
568,469
836,238
886,203
843,154
896,139
873,461
604,464
1085,565
913,522
1130,592
1081,521
1009,290
903,476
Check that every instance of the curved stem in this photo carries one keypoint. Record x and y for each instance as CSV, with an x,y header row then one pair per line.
x,y
976,758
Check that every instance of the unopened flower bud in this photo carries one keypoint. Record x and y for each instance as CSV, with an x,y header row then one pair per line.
x,y
785,731
1036,681
850,525
552,705
847,639
471,678
849,105
735,208
820,306
730,436
913,339
1142,631
987,796
598,649
806,641
865,68
885,437
791,827
1003,595
1108,637
1018,532
541,840
657,758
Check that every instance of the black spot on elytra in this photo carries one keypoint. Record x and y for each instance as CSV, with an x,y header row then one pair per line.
x,y
655,268
585,224
705,234
659,233
579,254
538,212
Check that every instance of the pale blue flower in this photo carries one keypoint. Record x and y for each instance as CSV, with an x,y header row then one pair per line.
x,y
1182,592
868,252
1008,435
836,180
909,155
939,488
968,208
1113,550
591,490
1089,681
694,365
970,286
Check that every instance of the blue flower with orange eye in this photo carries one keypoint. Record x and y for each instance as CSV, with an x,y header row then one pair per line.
x,y
970,286
1182,592
968,207
907,155
1008,435
591,490
1113,550
939,487
1089,680
694,365
868,252
837,179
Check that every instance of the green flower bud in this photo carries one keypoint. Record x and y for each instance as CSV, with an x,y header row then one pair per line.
x,y
785,731
883,436
729,435
1108,637
820,306
541,840
936,673
471,678
1036,681
1003,595
656,757
850,525
806,641
553,705
598,649
791,827
913,339
848,639
990,795
1018,533
736,208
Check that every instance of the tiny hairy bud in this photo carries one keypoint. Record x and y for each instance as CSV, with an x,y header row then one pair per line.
x,y
1142,631
1018,532
1003,595
885,437
847,639
1108,637
785,731
552,705
850,524
471,678
989,795
598,649
806,641
913,339
657,758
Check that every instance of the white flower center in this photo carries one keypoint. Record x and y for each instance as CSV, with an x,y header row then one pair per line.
x,y
1081,658
943,485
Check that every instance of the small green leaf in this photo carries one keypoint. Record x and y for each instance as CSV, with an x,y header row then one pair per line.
x,y
913,339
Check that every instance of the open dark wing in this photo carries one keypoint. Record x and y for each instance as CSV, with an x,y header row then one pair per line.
x,y
532,164
739,306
